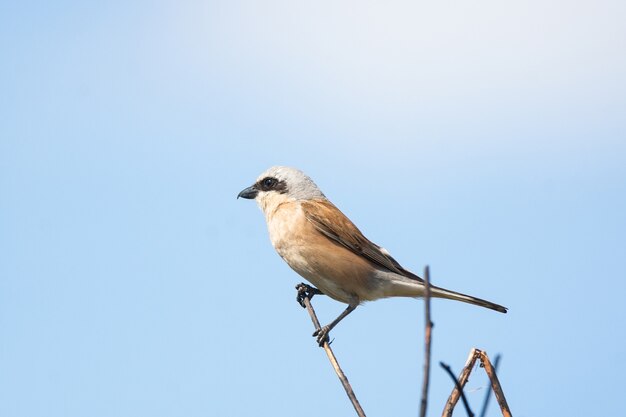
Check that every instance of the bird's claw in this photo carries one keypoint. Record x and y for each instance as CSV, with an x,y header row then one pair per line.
x,y
321,335
304,291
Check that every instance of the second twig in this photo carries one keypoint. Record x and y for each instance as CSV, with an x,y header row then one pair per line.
x,y
427,342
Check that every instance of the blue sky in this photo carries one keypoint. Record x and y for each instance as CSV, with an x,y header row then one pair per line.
x,y
487,140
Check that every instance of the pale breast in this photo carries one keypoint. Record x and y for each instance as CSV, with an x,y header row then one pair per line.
x,y
286,227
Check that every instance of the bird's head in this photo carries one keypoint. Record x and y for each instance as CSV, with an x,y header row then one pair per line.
x,y
281,184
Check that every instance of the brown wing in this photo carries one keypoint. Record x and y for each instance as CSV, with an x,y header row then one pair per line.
x,y
333,224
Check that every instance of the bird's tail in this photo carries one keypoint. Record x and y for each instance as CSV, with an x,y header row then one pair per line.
x,y
393,284
453,295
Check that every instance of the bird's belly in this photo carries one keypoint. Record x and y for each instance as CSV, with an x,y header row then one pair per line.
x,y
329,285
335,277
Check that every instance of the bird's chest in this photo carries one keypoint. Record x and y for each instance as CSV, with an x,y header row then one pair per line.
x,y
286,230
290,234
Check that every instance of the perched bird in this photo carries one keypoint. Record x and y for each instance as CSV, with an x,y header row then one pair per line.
x,y
322,245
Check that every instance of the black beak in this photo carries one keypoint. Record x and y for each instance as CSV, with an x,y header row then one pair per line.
x,y
249,193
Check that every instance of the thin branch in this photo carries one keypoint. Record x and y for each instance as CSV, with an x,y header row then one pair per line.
x,y
483,412
495,384
456,392
459,388
427,342
306,300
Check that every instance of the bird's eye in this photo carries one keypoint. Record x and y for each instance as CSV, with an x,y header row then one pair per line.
x,y
268,183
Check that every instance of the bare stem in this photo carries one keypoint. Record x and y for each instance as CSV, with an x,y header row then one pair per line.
x,y
495,384
333,360
460,383
427,342
459,388
483,412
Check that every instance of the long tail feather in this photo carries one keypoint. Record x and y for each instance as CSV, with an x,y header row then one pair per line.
x,y
453,295
410,285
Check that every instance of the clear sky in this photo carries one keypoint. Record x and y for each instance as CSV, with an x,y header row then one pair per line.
x,y
485,139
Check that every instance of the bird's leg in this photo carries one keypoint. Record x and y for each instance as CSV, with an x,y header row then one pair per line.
x,y
322,332
305,291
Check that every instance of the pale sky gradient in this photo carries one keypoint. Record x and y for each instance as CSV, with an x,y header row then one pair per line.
x,y
486,139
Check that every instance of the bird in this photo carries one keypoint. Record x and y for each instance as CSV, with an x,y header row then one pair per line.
x,y
323,246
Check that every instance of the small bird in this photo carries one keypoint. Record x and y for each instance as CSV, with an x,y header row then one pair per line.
x,y
321,244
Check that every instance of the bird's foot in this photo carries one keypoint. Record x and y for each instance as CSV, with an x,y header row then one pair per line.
x,y
305,291
321,335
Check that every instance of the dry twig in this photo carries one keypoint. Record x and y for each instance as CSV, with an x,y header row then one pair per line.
x,y
467,369
303,289
459,388
483,412
427,342
456,392
495,384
